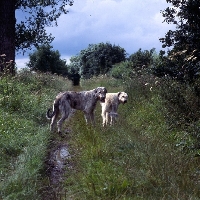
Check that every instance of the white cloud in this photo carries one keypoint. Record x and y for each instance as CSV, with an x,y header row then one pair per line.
x,y
21,62
107,20
131,24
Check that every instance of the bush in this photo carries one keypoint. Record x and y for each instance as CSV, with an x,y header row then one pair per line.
x,y
122,71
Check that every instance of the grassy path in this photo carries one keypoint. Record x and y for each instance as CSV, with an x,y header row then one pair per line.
x,y
138,158
135,159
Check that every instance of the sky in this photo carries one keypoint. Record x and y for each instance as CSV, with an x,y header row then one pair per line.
x,y
131,24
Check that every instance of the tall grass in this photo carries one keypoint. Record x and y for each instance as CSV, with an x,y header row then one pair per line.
x,y
142,157
24,133
137,158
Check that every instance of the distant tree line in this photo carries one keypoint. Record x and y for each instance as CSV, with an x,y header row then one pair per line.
x,y
181,61
97,59
45,59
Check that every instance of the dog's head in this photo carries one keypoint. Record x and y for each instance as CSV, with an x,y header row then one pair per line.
x,y
123,97
100,93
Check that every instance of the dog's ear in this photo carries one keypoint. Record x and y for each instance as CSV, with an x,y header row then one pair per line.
x,y
118,93
95,90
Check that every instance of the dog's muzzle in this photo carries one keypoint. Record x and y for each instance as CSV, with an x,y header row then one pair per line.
x,y
102,99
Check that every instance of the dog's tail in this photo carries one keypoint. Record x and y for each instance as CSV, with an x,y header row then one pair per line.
x,y
48,115
55,109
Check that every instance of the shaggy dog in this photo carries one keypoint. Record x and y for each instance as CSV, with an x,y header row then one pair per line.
x,y
110,106
84,100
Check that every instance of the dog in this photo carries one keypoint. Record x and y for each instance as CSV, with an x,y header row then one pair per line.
x,y
67,101
110,106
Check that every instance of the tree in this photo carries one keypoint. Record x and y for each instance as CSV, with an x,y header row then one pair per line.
x,y
73,70
184,40
141,59
98,59
122,70
7,32
31,31
135,64
45,59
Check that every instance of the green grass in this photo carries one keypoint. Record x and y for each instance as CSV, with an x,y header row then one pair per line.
x,y
141,157
24,132
136,159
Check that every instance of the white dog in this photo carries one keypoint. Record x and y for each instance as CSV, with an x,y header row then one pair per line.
x,y
84,100
110,106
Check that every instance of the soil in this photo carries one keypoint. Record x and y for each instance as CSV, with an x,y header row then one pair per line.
x,y
57,163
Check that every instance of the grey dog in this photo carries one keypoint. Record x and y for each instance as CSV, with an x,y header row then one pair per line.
x,y
84,100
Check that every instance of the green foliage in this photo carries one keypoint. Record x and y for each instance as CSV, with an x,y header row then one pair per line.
x,y
142,59
44,59
177,66
6,67
182,102
97,59
183,59
73,70
30,31
135,65
185,16
122,70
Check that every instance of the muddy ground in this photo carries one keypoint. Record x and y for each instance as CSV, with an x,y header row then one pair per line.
x,y
57,163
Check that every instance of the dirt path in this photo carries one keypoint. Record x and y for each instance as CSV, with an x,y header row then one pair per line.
x,y
57,163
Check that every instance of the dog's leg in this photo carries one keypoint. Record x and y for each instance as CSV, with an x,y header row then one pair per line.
x,y
113,114
65,111
103,114
53,121
111,119
87,117
107,118
92,117
104,119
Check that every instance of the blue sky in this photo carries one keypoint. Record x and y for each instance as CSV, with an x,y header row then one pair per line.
x,y
131,24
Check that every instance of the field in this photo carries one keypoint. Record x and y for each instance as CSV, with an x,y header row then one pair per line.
x,y
151,153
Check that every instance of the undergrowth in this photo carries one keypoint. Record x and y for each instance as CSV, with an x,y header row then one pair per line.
x,y
150,153
24,132
138,158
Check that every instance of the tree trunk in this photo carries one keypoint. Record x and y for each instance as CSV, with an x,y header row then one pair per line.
x,y
7,35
